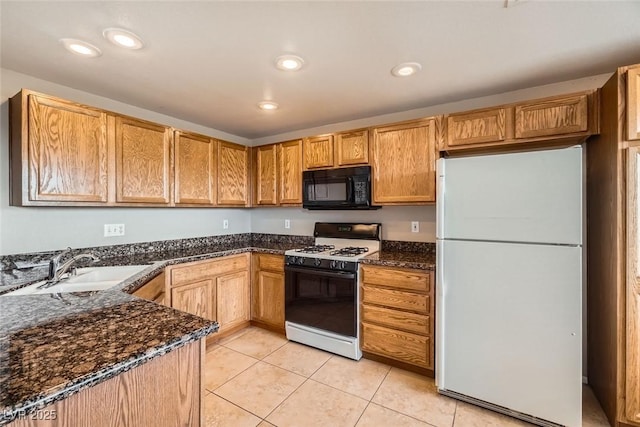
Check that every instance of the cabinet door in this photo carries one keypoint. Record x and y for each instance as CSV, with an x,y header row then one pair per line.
x,y
194,169
197,298
477,127
265,174
352,148
143,161
633,103
67,151
290,172
233,174
268,297
633,287
556,116
404,163
233,299
318,152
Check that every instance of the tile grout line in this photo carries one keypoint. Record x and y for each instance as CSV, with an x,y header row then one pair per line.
x,y
238,406
284,400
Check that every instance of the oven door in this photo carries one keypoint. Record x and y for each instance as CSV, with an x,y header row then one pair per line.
x,y
321,299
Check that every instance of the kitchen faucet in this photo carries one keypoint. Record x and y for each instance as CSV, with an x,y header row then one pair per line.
x,y
56,271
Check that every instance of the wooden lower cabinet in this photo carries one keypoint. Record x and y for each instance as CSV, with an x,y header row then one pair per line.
x,y
153,290
267,290
397,314
164,392
217,289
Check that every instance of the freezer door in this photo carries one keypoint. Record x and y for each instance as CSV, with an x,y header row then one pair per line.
x,y
510,326
518,197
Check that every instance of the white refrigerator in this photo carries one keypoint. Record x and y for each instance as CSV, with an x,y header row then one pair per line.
x,y
509,283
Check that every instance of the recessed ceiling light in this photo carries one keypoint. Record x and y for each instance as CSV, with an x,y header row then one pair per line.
x,y
81,48
123,38
289,62
406,69
268,105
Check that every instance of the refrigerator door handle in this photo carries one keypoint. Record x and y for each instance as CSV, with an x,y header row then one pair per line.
x,y
440,163
440,308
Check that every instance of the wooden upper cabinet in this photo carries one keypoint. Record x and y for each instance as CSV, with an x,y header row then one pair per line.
x,y
265,175
143,161
554,116
477,127
318,152
290,172
404,162
233,174
632,376
633,103
194,169
352,148
60,151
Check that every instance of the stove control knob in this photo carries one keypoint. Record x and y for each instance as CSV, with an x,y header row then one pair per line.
x,y
342,265
300,260
334,264
317,262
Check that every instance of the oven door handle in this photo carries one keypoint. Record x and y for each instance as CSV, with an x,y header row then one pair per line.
x,y
336,274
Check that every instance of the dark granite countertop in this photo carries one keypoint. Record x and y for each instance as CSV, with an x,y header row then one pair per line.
x,y
420,256
51,347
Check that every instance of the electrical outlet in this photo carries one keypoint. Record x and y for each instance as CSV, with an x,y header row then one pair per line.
x,y
287,223
225,224
111,230
415,226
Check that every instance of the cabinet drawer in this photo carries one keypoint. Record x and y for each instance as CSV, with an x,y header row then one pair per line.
x,y
187,273
396,278
418,323
402,346
396,299
270,262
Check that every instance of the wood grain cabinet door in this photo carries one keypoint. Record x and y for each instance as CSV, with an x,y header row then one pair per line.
x,y
555,116
233,174
194,169
290,173
67,151
477,127
265,175
633,103
318,152
268,297
404,163
633,287
352,148
233,299
197,298
143,161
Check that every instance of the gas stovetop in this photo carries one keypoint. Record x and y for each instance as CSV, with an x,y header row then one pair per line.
x,y
338,246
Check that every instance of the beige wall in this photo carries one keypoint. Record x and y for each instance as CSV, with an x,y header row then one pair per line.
x,y
41,229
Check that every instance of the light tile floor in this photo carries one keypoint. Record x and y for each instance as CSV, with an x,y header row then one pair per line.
x,y
258,378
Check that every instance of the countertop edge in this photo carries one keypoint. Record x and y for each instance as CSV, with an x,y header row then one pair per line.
x,y
64,391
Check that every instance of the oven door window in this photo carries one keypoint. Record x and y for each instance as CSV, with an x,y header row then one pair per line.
x,y
324,300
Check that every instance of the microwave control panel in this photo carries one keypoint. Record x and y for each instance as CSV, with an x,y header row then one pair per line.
x,y
361,192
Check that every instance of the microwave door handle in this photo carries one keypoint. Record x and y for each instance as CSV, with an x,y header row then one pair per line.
x,y
350,189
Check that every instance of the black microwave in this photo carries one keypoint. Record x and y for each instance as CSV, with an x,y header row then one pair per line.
x,y
346,188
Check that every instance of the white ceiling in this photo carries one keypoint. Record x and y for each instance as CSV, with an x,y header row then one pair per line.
x,y
211,62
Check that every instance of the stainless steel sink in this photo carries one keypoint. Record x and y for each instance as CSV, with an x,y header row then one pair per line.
x,y
86,279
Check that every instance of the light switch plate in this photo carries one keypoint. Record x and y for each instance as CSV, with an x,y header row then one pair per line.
x,y
287,223
415,226
225,224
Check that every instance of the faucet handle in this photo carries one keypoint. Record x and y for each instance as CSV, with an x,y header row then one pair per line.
x,y
55,260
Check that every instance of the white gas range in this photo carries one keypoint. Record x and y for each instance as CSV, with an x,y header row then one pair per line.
x,y
321,287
